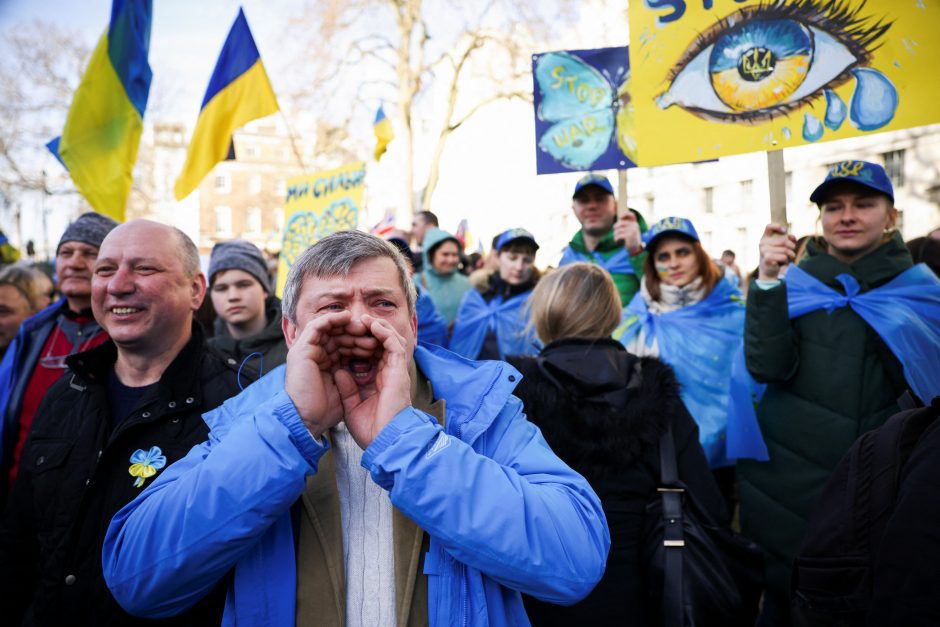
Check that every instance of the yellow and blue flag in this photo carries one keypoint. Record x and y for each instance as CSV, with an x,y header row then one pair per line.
x,y
384,133
102,131
239,92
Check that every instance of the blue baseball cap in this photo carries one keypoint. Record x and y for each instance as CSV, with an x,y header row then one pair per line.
x,y
670,225
598,180
515,234
871,175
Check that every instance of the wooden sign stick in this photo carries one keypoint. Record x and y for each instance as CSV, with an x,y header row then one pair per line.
x,y
776,181
621,192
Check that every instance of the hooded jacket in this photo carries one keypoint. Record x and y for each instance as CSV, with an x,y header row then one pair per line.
x,y
603,410
830,379
503,513
446,290
269,341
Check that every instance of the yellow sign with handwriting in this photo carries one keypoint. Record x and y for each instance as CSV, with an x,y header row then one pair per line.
x,y
316,206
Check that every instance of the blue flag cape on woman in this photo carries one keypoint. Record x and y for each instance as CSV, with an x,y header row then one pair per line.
x,y
618,263
905,313
699,342
506,317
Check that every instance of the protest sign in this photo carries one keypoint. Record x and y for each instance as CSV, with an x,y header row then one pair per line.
x,y
721,77
316,206
583,118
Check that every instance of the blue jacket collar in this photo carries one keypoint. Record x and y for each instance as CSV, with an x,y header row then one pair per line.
x,y
474,391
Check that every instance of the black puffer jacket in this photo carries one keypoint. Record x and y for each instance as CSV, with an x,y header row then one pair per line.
x,y
603,410
75,476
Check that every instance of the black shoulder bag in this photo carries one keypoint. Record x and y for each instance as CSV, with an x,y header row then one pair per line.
x,y
708,574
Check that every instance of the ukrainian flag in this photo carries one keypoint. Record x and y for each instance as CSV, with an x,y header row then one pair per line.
x,y
384,133
104,124
239,92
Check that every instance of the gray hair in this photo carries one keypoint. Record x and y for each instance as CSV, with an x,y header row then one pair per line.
x,y
189,254
335,256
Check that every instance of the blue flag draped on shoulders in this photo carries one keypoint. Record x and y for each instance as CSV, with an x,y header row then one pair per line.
x,y
699,342
618,263
106,118
905,313
506,317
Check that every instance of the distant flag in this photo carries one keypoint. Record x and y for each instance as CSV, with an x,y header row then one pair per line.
x,y
102,131
384,133
386,225
239,92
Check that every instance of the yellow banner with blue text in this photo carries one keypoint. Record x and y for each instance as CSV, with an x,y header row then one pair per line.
x,y
720,77
318,205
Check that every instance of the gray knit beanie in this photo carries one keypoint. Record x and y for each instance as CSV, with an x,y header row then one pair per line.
x,y
89,228
239,255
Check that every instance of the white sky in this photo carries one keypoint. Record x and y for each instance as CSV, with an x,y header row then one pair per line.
x,y
488,172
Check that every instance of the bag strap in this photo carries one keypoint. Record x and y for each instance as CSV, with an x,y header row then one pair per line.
x,y
673,541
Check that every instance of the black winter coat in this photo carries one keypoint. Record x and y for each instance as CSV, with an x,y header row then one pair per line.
x,y
75,476
603,410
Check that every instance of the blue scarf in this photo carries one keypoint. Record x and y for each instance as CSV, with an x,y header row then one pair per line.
x,y
698,341
618,263
904,312
506,317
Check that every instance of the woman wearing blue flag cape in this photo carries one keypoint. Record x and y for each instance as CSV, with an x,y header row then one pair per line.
x,y
687,315
836,341
493,323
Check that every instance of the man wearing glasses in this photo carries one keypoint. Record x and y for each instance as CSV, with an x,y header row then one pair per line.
x,y
36,357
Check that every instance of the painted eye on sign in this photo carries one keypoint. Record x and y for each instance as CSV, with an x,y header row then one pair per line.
x,y
744,75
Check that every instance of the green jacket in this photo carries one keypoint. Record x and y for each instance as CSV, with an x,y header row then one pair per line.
x,y
627,284
830,379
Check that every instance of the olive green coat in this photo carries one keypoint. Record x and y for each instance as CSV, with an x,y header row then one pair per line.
x,y
830,378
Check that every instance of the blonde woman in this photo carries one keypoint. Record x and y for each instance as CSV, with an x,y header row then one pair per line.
x,y
603,411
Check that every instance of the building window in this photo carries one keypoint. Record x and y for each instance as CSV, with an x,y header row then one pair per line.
x,y
253,221
747,193
281,186
709,200
251,150
254,184
894,166
223,220
223,184
279,219
650,206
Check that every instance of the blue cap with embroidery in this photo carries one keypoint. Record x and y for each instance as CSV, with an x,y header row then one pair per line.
x,y
665,226
871,175
598,180
515,234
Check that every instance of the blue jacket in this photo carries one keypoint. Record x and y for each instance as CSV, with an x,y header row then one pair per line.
x,y
503,513
18,363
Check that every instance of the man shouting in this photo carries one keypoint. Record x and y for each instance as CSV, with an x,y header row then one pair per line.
x,y
366,482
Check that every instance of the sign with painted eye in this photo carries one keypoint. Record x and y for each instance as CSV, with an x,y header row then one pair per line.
x,y
722,77
583,114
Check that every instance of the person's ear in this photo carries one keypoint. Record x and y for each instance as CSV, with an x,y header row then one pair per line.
x,y
290,331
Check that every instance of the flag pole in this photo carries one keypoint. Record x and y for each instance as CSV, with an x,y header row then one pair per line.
x,y
621,192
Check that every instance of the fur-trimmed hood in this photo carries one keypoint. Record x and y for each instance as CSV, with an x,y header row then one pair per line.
x,y
599,407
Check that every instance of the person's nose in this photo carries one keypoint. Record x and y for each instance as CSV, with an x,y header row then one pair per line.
x,y
121,282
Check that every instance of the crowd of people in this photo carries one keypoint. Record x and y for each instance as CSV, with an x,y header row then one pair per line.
x,y
409,436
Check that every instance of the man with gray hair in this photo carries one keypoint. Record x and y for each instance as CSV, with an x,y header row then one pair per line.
x,y
119,417
367,482
35,358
